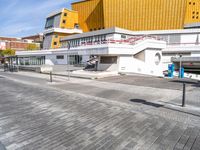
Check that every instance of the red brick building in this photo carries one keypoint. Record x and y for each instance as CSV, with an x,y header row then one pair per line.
x,y
21,43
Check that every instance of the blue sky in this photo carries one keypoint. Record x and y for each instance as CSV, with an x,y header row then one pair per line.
x,y
27,17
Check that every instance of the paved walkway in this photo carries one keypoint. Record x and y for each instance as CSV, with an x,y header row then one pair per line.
x,y
37,115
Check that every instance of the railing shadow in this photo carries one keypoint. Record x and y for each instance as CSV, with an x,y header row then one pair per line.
x,y
141,101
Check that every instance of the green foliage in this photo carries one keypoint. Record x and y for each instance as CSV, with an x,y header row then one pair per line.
x,y
8,52
1,53
32,46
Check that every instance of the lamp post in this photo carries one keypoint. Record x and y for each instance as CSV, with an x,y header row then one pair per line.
x,y
68,48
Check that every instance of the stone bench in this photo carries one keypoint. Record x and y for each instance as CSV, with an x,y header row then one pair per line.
x,y
39,69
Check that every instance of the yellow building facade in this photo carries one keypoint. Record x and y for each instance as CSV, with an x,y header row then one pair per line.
x,y
137,14
59,24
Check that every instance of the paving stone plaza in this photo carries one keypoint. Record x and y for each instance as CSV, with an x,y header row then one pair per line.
x,y
115,113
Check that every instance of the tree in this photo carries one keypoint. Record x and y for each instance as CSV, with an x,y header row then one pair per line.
x,y
32,46
8,52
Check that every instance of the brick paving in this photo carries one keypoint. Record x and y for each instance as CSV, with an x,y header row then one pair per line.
x,y
40,117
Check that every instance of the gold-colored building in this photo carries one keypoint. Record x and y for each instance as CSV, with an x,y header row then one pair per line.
x,y
60,24
91,15
138,14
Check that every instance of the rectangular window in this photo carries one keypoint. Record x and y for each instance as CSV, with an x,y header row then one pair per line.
x,y
49,22
76,26
65,14
60,57
64,21
108,60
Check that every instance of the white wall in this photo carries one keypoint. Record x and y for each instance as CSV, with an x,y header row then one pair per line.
x,y
195,54
129,64
189,38
51,60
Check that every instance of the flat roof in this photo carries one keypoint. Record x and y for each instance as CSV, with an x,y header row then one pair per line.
x,y
80,1
130,32
58,12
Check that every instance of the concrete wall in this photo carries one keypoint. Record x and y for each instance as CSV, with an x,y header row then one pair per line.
x,y
47,41
129,64
51,60
108,67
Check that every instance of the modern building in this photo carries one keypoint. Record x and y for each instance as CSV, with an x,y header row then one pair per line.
x,y
130,36
60,24
138,15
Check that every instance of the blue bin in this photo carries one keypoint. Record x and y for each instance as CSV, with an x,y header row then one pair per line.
x,y
181,72
171,69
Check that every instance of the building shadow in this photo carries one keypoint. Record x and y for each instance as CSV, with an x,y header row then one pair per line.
x,y
186,82
141,101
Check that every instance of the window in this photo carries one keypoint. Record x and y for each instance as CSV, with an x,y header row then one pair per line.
x,y
65,14
190,3
194,3
76,26
55,43
157,58
123,36
197,17
197,13
193,12
60,57
108,60
49,22
56,36
75,59
64,21
193,17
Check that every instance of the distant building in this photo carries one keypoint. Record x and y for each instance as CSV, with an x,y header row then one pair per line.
x,y
17,44
38,38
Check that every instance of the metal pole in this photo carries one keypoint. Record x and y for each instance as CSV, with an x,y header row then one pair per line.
x,y
51,80
183,98
180,67
68,71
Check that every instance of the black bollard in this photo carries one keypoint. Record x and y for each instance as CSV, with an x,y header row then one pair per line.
x,y
183,98
51,80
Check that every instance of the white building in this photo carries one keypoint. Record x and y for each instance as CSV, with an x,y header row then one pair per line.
x,y
145,52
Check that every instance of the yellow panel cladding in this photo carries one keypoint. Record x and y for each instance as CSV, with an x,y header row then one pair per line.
x,y
56,39
131,14
192,12
68,19
144,14
90,14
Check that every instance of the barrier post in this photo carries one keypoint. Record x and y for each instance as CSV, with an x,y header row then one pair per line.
x,y
51,79
183,98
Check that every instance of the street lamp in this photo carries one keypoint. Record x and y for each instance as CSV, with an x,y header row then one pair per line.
x,y
68,48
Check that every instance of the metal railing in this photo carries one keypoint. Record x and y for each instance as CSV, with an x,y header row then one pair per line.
x,y
129,41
